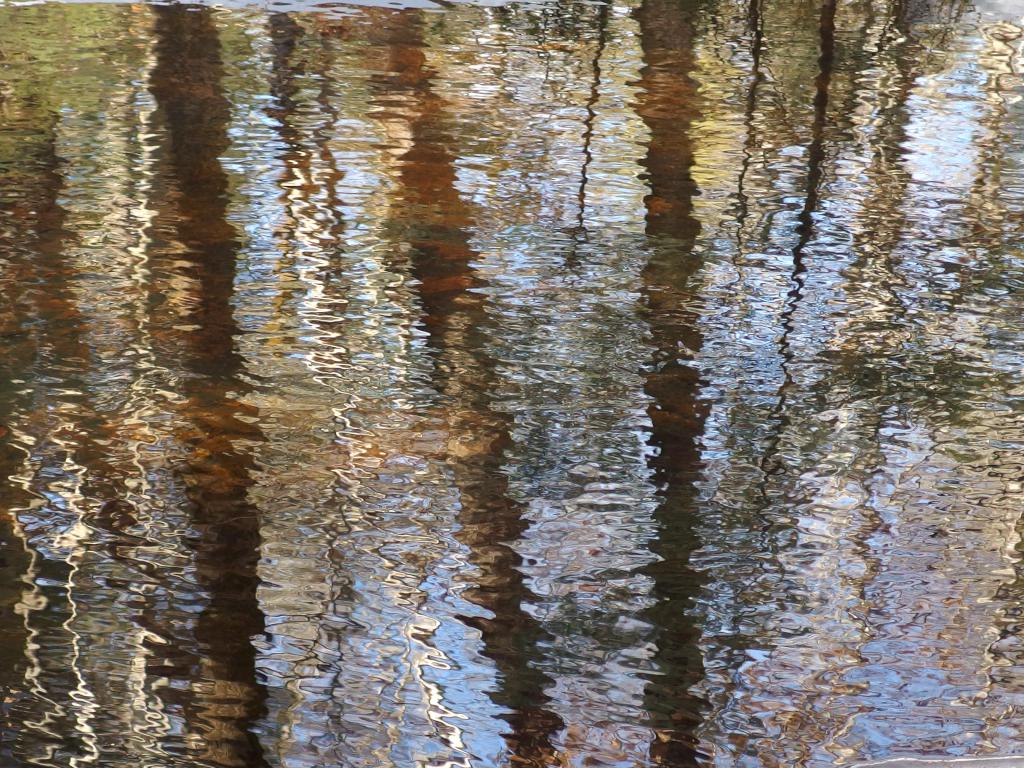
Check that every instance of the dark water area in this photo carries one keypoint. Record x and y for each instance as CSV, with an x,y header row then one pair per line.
x,y
633,383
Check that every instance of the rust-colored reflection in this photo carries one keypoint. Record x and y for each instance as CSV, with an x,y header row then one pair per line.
x,y
223,699
669,105
433,219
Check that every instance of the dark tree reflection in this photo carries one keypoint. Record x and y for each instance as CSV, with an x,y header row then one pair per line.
x,y
669,105
225,699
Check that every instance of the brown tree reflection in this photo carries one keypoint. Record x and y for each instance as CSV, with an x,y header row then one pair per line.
x,y
223,699
669,104
433,219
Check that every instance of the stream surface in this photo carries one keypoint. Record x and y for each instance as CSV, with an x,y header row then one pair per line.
x,y
541,385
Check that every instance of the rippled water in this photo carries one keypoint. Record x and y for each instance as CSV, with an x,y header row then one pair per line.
x,y
570,384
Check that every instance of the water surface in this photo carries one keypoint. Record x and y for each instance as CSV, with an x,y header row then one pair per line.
x,y
633,383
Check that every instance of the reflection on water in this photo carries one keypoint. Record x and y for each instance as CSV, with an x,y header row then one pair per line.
x,y
534,385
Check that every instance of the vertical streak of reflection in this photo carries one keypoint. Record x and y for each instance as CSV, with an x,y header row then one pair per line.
x,y
62,431
591,115
805,219
436,225
310,238
669,105
225,699
68,484
756,23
